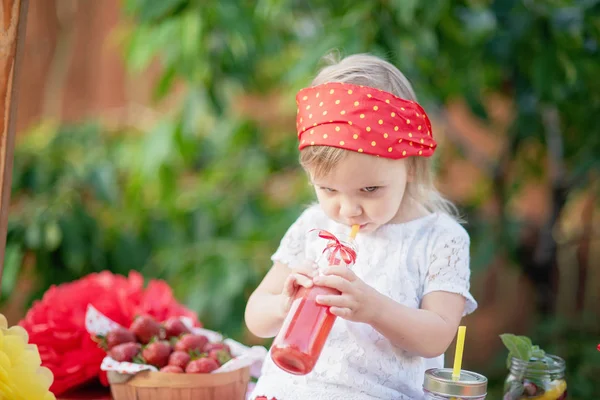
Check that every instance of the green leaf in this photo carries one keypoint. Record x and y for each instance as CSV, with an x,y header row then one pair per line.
x,y
103,180
405,11
52,235
33,235
518,346
158,149
142,49
13,258
478,22
164,84
154,10
536,352
474,101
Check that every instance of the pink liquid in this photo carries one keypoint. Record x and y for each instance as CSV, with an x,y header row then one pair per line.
x,y
300,341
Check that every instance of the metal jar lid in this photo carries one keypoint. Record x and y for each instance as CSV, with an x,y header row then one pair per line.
x,y
469,385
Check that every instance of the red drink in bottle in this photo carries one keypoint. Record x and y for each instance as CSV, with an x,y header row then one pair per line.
x,y
299,343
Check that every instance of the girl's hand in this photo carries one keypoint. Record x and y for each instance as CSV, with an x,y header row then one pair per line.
x,y
357,299
300,276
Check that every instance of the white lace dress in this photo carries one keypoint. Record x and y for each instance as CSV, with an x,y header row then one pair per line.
x,y
402,261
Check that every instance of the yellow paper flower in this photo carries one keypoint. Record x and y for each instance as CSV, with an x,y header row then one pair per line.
x,y
21,375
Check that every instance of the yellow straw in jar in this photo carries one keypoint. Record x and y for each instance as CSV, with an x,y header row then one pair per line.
x,y
460,345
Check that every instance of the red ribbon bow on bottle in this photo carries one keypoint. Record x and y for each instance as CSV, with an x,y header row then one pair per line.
x,y
347,254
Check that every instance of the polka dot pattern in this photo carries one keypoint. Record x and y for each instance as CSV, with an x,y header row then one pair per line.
x,y
363,119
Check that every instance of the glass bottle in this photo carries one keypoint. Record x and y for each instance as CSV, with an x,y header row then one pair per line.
x,y
439,385
304,331
542,378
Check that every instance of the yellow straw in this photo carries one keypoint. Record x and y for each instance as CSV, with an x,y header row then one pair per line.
x,y
354,231
460,345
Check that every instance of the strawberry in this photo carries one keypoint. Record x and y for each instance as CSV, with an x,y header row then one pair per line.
x,y
157,353
173,369
174,327
145,328
179,358
220,356
114,337
201,366
216,346
189,342
119,336
530,388
125,351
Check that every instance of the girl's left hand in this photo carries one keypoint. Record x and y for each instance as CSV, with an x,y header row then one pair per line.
x,y
357,299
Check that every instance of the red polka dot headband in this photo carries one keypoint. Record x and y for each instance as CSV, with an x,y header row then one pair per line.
x,y
362,119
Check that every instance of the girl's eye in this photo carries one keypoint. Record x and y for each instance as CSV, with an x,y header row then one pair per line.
x,y
370,189
328,190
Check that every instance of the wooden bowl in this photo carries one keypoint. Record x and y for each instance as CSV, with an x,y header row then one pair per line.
x,y
150,385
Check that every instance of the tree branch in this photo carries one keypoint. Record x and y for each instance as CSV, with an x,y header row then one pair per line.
x,y
13,17
554,142
545,268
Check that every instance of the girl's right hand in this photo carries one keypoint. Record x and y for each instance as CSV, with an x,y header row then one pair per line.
x,y
300,276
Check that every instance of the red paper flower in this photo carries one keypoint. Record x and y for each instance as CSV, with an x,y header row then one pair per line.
x,y
56,323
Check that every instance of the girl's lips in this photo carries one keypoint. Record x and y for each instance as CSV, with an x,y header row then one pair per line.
x,y
360,225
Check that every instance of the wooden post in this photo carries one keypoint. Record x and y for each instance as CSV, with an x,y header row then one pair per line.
x,y
13,16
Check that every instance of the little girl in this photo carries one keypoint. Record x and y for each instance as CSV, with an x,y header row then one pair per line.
x,y
366,145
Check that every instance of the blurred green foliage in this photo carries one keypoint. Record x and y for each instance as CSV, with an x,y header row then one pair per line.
x,y
203,198
86,200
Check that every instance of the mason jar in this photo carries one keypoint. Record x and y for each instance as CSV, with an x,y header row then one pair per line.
x,y
439,385
538,378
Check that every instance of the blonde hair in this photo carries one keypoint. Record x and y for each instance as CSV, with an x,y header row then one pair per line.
x,y
368,70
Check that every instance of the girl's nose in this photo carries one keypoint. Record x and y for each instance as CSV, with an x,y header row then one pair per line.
x,y
349,209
